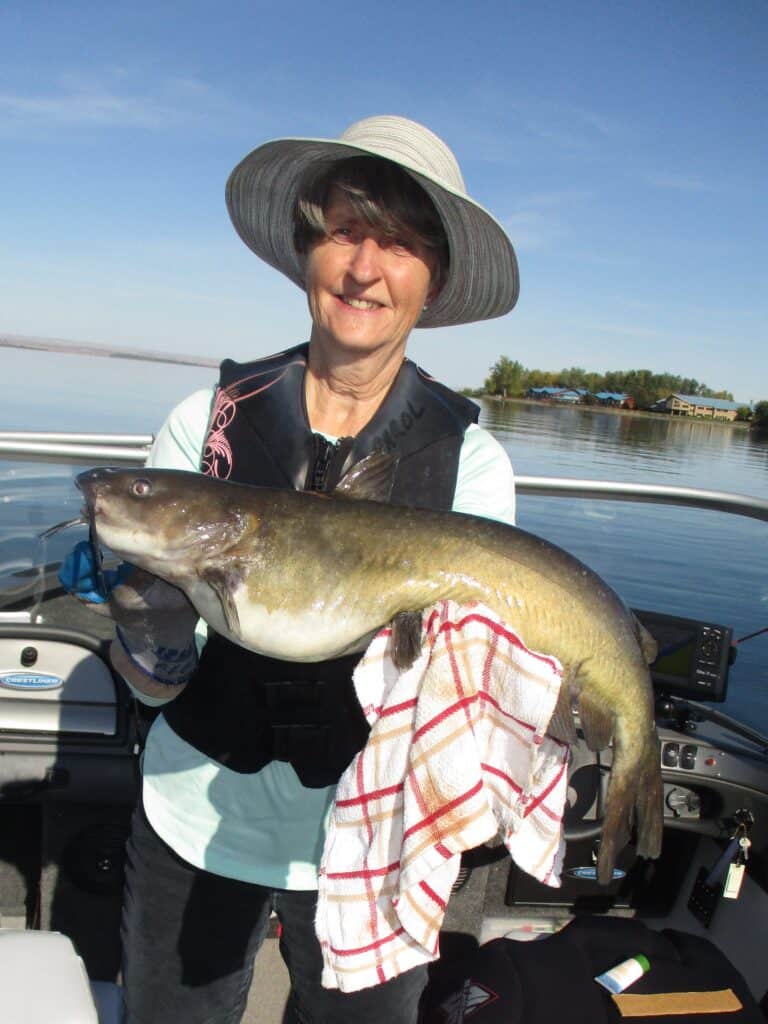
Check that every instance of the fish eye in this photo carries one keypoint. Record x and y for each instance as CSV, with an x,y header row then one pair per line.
x,y
141,488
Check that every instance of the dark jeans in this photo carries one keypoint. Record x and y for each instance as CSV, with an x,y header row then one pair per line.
x,y
190,938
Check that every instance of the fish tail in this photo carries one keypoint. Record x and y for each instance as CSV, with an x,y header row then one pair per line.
x,y
649,805
616,824
635,793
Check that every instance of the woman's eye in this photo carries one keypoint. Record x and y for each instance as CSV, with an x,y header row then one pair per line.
x,y
343,233
141,488
401,244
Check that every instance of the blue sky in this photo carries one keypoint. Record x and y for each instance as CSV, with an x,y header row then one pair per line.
x,y
622,145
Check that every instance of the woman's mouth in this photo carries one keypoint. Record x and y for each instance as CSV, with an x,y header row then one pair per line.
x,y
366,305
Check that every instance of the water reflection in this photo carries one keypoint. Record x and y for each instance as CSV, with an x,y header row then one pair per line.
x,y
580,441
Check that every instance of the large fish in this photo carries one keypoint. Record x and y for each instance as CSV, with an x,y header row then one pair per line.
x,y
307,577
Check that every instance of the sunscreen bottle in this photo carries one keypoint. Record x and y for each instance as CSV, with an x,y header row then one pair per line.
x,y
624,974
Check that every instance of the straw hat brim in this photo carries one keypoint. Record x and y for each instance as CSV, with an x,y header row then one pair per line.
x,y
482,282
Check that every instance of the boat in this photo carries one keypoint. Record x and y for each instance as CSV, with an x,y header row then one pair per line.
x,y
70,738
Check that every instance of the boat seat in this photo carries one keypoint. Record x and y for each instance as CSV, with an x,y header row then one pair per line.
x,y
43,981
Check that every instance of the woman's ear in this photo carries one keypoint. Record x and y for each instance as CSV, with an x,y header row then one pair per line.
x,y
434,291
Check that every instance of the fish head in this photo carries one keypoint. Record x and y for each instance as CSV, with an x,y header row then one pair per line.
x,y
169,522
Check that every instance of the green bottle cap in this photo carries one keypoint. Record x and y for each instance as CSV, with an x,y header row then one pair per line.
x,y
644,962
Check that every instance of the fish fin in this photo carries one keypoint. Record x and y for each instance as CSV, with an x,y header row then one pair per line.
x,y
406,639
597,721
648,645
223,583
635,791
649,805
616,830
561,724
371,478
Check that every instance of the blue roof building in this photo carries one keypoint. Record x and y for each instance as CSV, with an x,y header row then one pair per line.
x,y
696,405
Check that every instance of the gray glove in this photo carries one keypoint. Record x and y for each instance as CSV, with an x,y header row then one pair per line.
x,y
155,629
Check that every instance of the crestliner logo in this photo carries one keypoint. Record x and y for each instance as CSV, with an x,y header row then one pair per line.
x,y
30,681
589,873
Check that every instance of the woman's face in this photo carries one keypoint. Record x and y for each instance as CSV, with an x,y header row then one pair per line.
x,y
365,290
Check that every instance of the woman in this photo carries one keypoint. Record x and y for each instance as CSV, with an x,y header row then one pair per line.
x,y
239,770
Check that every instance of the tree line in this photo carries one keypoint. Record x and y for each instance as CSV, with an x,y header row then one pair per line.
x,y
510,378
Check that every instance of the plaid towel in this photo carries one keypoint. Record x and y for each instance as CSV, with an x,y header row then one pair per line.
x,y
457,754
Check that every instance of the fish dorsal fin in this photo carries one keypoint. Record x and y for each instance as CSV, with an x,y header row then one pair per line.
x,y
406,639
648,645
223,582
371,478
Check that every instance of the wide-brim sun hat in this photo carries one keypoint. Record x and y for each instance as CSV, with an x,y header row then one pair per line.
x,y
482,281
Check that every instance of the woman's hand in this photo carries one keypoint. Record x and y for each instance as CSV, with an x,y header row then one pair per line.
x,y
154,645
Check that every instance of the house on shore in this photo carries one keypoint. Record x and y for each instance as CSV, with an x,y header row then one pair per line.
x,y
695,405
569,396
617,399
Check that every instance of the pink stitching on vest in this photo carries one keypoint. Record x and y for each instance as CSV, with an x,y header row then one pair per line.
x,y
217,456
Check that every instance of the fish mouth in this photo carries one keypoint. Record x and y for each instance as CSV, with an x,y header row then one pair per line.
x,y
91,483
88,510
88,484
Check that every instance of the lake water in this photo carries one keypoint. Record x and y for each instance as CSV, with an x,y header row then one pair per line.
x,y
693,563
689,562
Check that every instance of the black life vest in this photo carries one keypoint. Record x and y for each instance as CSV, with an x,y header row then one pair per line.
x,y
245,710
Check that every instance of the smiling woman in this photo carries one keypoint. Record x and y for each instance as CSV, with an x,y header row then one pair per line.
x,y
366,288
240,768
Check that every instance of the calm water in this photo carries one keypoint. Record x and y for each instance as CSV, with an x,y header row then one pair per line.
x,y
697,564
694,563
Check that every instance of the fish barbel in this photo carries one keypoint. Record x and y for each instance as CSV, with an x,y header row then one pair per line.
x,y
307,577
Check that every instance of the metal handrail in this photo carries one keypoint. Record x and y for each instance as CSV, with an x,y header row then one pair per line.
x,y
659,494
132,449
81,449
72,437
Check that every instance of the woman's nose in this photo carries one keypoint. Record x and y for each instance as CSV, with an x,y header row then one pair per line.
x,y
364,264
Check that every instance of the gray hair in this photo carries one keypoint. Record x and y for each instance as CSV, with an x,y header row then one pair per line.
x,y
381,195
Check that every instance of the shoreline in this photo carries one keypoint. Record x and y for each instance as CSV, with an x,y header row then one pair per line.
x,y
610,410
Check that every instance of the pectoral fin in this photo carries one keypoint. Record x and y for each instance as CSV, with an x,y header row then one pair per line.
x,y
371,478
561,724
596,720
224,583
648,645
406,639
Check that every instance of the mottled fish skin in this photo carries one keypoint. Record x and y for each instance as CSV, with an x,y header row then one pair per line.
x,y
302,576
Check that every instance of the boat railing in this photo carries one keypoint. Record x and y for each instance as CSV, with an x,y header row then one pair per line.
x,y
73,448
133,449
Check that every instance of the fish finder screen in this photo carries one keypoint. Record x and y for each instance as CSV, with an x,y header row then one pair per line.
x,y
677,648
693,656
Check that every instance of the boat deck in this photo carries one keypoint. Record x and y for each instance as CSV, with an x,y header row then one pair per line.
x,y
268,998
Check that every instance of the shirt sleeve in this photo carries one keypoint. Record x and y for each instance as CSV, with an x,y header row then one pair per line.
x,y
179,442
179,445
485,485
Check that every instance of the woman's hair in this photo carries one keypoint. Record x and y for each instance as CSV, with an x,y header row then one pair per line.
x,y
382,195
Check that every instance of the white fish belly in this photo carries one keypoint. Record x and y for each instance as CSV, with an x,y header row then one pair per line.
x,y
314,635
